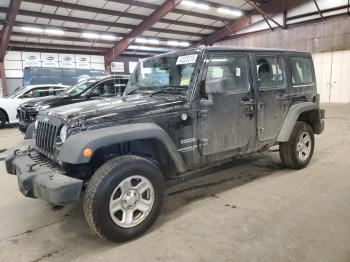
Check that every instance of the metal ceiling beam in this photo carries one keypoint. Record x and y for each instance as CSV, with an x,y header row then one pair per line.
x,y
294,25
116,13
57,46
84,40
63,38
264,14
271,8
162,10
5,39
97,22
318,9
316,12
175,11
78,30
7,29
32,47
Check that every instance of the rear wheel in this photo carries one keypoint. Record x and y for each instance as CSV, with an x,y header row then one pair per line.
x,y
123,198
3,118
298,151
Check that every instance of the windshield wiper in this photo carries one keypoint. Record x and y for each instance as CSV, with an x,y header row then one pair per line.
x,y
165,89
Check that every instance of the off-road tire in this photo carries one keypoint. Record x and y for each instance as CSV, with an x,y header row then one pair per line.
x,y
3,118
288,150
100,189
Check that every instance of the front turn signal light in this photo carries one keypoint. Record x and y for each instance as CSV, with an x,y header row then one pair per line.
x,y
87,152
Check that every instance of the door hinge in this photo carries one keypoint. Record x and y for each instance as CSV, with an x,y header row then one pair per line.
x,y
261,132
203,143
261,106
203,113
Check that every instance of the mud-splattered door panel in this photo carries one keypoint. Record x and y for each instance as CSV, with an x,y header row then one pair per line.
x,y
229,122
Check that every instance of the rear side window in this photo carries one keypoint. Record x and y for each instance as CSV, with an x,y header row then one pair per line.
x,y
301,69
37,92
270,72
232,68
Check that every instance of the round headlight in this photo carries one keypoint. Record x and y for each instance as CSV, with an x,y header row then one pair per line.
x,y
36,124
63,133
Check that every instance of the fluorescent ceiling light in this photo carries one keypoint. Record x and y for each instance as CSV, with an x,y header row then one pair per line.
x,y
54,32
230,11
109,37
195,4
184,44
218,60
140,40
149,41
91,35
32,29
172,43
153,41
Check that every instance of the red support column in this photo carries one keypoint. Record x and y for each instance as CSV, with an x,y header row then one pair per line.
x,y
3,79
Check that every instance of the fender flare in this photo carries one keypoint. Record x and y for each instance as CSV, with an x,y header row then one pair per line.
x,y
292,117
71,151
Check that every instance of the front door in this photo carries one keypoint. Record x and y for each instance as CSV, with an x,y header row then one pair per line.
x,y
273,99
229,122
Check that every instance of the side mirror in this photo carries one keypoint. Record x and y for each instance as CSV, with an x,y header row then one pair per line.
x,y
91,94
213,87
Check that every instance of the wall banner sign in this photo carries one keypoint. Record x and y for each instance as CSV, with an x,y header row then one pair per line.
x,y
31,59
117,67
82,61
67,60
49,60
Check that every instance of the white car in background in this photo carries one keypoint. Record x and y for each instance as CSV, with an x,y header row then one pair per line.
x,y
8,105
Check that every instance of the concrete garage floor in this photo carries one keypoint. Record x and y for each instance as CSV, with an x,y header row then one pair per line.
x,y
252,211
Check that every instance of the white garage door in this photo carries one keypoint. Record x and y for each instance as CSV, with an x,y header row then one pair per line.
x,y
333,76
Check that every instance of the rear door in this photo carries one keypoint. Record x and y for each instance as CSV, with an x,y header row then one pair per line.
x,y
273,99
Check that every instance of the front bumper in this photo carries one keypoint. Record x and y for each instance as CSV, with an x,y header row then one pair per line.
x,y
38,178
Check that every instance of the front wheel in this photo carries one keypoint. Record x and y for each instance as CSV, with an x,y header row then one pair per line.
x,y
123,198
298,151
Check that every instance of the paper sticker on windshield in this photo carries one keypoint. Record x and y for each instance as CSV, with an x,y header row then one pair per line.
x,y
186,59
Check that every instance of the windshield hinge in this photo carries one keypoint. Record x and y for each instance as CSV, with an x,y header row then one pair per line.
x,y
203,143
203,113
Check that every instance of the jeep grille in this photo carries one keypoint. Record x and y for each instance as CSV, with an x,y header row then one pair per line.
x,y
46,136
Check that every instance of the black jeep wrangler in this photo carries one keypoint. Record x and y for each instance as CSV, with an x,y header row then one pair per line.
x,y
181,112
90,88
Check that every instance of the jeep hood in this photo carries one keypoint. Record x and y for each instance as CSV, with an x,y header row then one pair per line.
x,y
51,101
116,108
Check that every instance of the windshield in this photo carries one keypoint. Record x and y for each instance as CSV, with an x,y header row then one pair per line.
x,y
162,72
17,92
78,88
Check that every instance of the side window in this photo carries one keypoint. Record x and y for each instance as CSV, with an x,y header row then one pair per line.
x,y
108,88
232,68
270,72
55,90
37,92
301,69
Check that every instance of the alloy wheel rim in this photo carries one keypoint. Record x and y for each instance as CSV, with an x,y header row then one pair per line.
x,y
131,201
304,146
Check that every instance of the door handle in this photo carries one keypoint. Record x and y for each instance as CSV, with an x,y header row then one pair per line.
x,y
283,98
249,107
247,102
